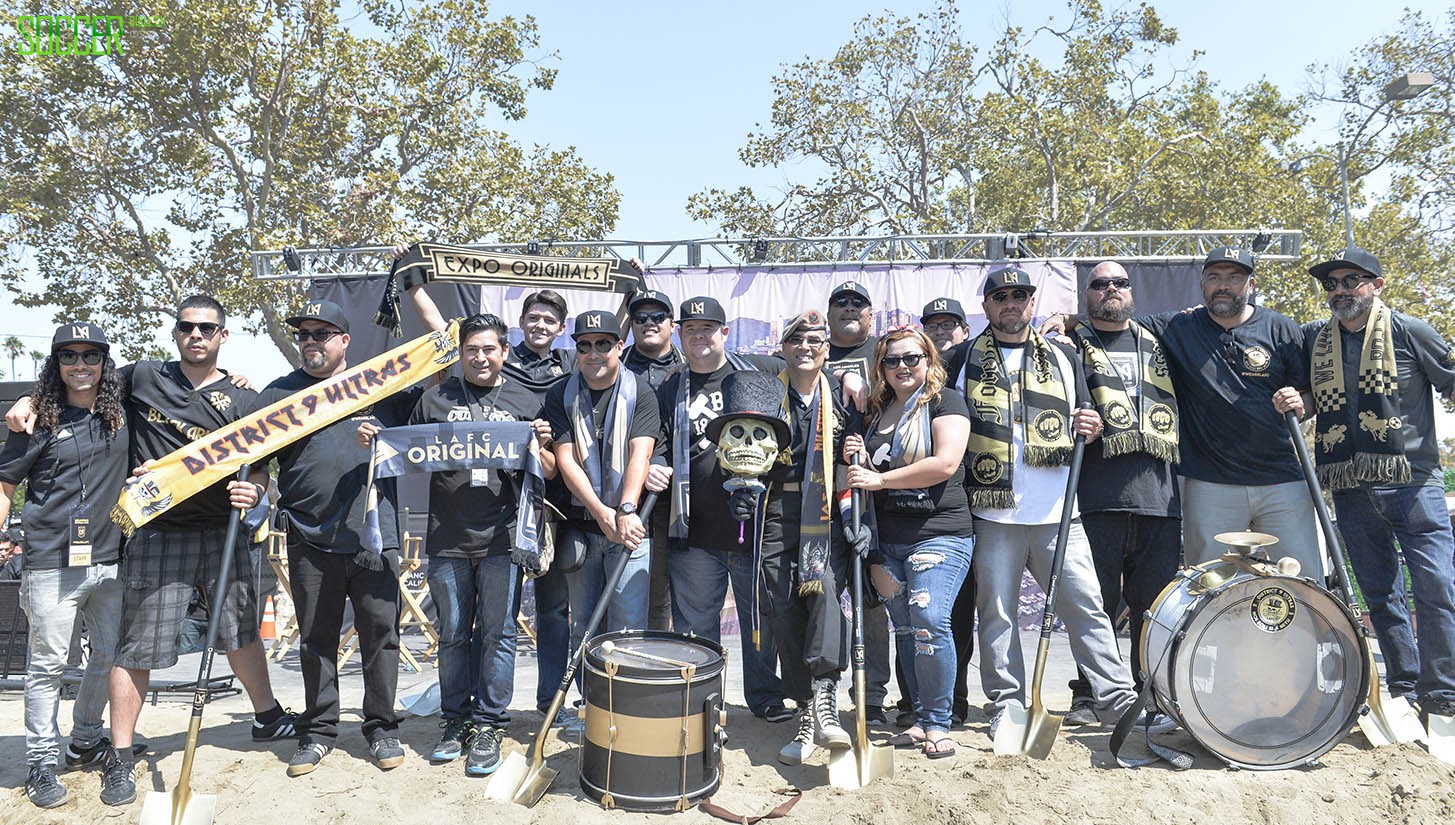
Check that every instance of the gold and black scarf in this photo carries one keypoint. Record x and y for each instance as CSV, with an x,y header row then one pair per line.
x,y
1145,424
1362,442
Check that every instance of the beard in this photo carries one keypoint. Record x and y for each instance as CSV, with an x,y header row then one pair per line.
x,y
1227,306
313,359
1351,308
1010,326
1122,310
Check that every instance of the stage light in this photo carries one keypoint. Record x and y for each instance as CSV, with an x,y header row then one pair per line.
x,y
291,259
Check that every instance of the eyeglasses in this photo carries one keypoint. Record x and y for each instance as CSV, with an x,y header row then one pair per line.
x,y
942,326
850,301
207,328
910,360
601,345
319,335
1103,284
650,317
1232,353
1348,282
1017,295
801,341
90,357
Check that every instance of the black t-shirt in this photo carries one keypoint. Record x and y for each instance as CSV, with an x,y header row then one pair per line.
x,y
780,533
856,358
1230,432
951,516
1131,482
1424,361
536,373
655,370
645,422
322,477
468,520
165,413
80,456
709,524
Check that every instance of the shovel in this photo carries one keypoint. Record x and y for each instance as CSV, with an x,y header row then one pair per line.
x,y
864,763
181,806
1033,732
522,782
1388,721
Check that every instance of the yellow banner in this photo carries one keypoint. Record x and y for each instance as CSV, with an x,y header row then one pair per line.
x,y
177,476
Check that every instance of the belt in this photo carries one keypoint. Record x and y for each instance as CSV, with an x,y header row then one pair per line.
x,y
791,486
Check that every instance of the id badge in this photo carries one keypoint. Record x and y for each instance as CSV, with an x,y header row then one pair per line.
x,y
480,477
79,551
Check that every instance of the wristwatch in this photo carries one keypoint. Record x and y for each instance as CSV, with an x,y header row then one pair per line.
x,y
627,508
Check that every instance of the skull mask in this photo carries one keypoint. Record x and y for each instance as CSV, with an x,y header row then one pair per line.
x,y
747,446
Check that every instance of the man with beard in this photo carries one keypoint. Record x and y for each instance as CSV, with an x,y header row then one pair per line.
x,y
1128,496
1373,370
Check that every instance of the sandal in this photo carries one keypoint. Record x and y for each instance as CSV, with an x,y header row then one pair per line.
x,y
911,738
937,748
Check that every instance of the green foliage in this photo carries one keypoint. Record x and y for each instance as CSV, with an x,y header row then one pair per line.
x,y
137,179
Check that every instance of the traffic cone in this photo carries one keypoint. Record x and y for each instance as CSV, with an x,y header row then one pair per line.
x,y
269,629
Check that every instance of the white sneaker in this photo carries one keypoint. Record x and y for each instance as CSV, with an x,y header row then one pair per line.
x,y
829,732
801,746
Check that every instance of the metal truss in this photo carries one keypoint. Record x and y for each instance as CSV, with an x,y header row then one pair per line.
x,y
1269,244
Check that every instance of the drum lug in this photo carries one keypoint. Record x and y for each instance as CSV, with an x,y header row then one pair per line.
x,y
714,722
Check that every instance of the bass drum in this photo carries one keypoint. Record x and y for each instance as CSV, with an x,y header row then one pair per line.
x,y
654,720
1265,671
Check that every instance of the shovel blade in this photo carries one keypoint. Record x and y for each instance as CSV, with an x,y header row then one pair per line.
x,y
509,778
1442,738
1390,721
857,767
1010,736
171,808
1041,734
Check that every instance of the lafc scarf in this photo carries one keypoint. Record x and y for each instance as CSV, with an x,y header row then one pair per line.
x,y
815,531
683,440
605,471
1147,424
1362,442
1045,406
186,471
425,262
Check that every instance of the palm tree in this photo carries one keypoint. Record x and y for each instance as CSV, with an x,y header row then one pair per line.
x,y
36,356
13,347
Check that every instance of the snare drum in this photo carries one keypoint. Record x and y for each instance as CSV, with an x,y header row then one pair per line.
x,y
654,720
1264,671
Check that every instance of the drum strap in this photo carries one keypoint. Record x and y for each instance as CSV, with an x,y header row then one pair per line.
x,y
793,794
1178,759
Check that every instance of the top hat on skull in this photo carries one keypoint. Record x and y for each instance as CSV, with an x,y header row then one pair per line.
x,y
751,431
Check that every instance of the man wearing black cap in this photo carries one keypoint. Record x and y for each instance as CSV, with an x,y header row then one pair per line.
x,y
12,555
1372,371
705,554
73,466
605,425
943,320
321,482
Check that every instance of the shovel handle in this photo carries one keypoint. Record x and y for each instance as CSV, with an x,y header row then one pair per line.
x,y
1073,479
1326,524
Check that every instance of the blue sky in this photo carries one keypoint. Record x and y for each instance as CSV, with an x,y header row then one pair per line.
x,y
662,93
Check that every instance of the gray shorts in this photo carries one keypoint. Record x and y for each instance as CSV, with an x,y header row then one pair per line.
x,y
160,572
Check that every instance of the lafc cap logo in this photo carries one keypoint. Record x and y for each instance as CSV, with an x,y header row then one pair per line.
x,y
312,309
593,321
1011,276
80,331
699,308
942,304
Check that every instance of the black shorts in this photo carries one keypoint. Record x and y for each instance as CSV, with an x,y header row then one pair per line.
x,y
160,573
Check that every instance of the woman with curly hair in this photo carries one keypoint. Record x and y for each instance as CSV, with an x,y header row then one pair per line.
x,y
914,441
74,465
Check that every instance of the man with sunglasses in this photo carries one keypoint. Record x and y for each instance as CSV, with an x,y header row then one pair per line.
x,y
1373,370
322,479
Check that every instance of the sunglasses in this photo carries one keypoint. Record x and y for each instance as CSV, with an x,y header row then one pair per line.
x,y
207,328
801,341
650,317
1103,284
1017,295
910,360
1232,353
850,301
319,335
1349,282
601,345
90,357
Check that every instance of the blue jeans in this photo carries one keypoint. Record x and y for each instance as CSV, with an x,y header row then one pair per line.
x,y
627,608
1371,521
700,580
53,599
477,601
553,634
930,573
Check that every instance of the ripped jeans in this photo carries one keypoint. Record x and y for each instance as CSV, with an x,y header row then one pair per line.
x,y
930,573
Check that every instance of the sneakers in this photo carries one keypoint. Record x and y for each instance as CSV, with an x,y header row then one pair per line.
x,y
801,746
307,757
1083,712
484,755
457,735
388,753
569,721
43,789
77,757
775,713
995,722
283,727
876,715
829,732
118,780
1154,721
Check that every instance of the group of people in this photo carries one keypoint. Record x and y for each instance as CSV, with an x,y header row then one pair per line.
x,y
959,444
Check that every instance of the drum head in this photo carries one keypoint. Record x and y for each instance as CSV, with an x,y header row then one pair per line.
x,y
1268,672
648,653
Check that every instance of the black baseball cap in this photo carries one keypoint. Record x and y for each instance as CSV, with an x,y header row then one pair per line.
x,y
1351,257
1008,277
326,311
79,332
702,308
854,287
649,296
597,322
945,306
1230,254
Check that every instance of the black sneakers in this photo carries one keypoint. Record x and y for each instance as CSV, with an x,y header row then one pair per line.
x,y
457,735
307,757
776,712
1083,712
118,780
484,755
284,726
43,789
77,757
388,753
